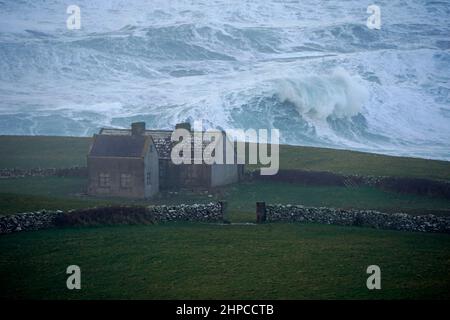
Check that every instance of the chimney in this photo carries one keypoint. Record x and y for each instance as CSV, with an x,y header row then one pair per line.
x,y
183,125
138,128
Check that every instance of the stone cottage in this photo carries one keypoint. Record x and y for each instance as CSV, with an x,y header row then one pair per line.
x,y
136,163
123,165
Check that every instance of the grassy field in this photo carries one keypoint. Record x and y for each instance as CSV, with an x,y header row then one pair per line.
x,y
352,162
206,261
35,193
41,151
200,261
242,199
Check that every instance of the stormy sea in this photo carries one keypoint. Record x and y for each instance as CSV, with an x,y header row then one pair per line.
x,y
312,69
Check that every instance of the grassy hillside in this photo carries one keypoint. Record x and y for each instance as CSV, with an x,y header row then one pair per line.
x,y
204,261
41,151
352,162
200,261
34,193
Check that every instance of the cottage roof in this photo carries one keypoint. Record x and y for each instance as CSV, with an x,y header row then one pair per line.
x,y
161,139
119,146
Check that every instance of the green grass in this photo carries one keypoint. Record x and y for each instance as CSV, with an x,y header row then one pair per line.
x,y
204,261
13,203
35,193
242,198
65,193
361,163
45,186
200,261
43,151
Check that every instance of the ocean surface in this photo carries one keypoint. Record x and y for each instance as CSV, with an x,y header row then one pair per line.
x,y
311,69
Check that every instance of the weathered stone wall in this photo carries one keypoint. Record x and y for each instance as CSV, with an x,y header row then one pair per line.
x,y
28,221
352,217
211,212
43,172
397,184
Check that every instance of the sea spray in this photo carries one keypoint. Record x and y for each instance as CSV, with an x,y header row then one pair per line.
x,y
338,95
316,73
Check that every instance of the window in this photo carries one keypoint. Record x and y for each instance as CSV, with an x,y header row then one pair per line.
x,y
125,180
103,180
149,178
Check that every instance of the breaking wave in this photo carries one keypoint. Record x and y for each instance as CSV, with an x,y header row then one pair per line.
x,y
315,72
335,96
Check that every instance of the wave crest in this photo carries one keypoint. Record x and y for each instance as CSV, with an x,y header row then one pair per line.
x,y
338,95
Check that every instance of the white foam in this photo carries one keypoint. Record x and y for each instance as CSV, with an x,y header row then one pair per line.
x,y
221,60
319,97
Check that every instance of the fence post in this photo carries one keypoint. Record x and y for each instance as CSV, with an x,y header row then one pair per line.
x,y
260,212
223,210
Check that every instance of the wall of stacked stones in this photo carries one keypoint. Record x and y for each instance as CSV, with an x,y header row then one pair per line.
x,y
214,212
419,186
43,172
352,217
211,212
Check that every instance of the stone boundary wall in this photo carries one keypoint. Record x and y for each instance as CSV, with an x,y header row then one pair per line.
x,y
43,219
418,186
43,172
353,217
29,221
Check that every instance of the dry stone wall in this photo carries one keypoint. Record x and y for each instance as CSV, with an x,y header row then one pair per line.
x,y
43,219
352,217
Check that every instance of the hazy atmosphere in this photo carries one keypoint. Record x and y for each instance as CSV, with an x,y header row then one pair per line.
x,y
326,177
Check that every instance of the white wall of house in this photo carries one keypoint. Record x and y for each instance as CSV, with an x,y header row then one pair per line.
x,y
222,174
